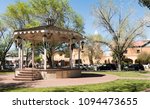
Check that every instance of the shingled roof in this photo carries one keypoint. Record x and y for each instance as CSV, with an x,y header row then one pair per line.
x,y
141,43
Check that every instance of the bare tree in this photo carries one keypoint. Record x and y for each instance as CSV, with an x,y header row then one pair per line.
x,y
121,31
92,49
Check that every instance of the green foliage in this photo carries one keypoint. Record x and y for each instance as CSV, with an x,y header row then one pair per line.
x,y
127,74
115,86
19,15
145,3
38,59
5,43
60,11
143,58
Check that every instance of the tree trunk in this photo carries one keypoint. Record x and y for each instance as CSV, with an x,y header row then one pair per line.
x,y
91,59
119,62
3,61
27,56
50,62
119,66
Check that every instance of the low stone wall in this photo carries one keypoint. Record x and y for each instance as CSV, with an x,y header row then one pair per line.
x,y
68,73
51,73
60,73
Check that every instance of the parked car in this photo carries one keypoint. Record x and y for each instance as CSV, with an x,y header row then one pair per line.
x,y
107,67
82,67
134,67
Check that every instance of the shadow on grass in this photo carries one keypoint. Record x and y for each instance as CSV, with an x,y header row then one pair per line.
x,y
87,75
4,87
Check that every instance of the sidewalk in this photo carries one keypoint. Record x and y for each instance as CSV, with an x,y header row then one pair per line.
x,y
7,79
86,79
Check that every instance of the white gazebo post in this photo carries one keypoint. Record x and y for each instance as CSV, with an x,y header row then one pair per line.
x,y
33,55
19,57
70,49
21,54
45,52
79,55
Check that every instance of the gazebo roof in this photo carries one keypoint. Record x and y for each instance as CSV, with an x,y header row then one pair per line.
x,y
53,34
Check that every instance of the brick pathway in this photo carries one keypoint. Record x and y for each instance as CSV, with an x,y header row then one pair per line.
x,y
7,79
86,79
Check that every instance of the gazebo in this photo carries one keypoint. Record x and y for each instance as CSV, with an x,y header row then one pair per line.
x,y
45,34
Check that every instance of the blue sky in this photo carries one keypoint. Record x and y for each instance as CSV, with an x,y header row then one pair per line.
x,y
84,8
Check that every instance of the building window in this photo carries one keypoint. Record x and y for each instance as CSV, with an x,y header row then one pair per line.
x,y
126,51
138,51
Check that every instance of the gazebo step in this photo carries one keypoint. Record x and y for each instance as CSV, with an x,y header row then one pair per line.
x,y
23,79
26,74
20,76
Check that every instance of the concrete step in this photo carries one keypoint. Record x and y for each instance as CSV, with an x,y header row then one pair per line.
x,y
26,74
23,79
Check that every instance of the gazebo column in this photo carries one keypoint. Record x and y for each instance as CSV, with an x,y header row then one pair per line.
x,y
33,49
70,49
19,62
79,55
45,52
21,54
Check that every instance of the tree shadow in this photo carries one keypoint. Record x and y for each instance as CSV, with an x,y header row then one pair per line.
x,y
1,79
4,87
87,75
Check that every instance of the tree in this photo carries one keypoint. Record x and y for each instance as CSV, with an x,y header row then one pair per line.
x,y
145,3
5,44
35,12
63,16
92,48
58,10
143,58
20,18
121,31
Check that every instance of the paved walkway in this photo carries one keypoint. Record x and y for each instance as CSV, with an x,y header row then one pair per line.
x,y
85,79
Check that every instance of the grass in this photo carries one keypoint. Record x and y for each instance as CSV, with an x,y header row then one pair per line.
x,y
126,73
6,72
115,86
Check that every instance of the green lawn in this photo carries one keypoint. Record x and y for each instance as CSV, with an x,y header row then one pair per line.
x,y
125,73
115,86
5,72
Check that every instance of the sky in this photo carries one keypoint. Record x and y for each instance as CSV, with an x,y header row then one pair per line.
x,y
84,8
